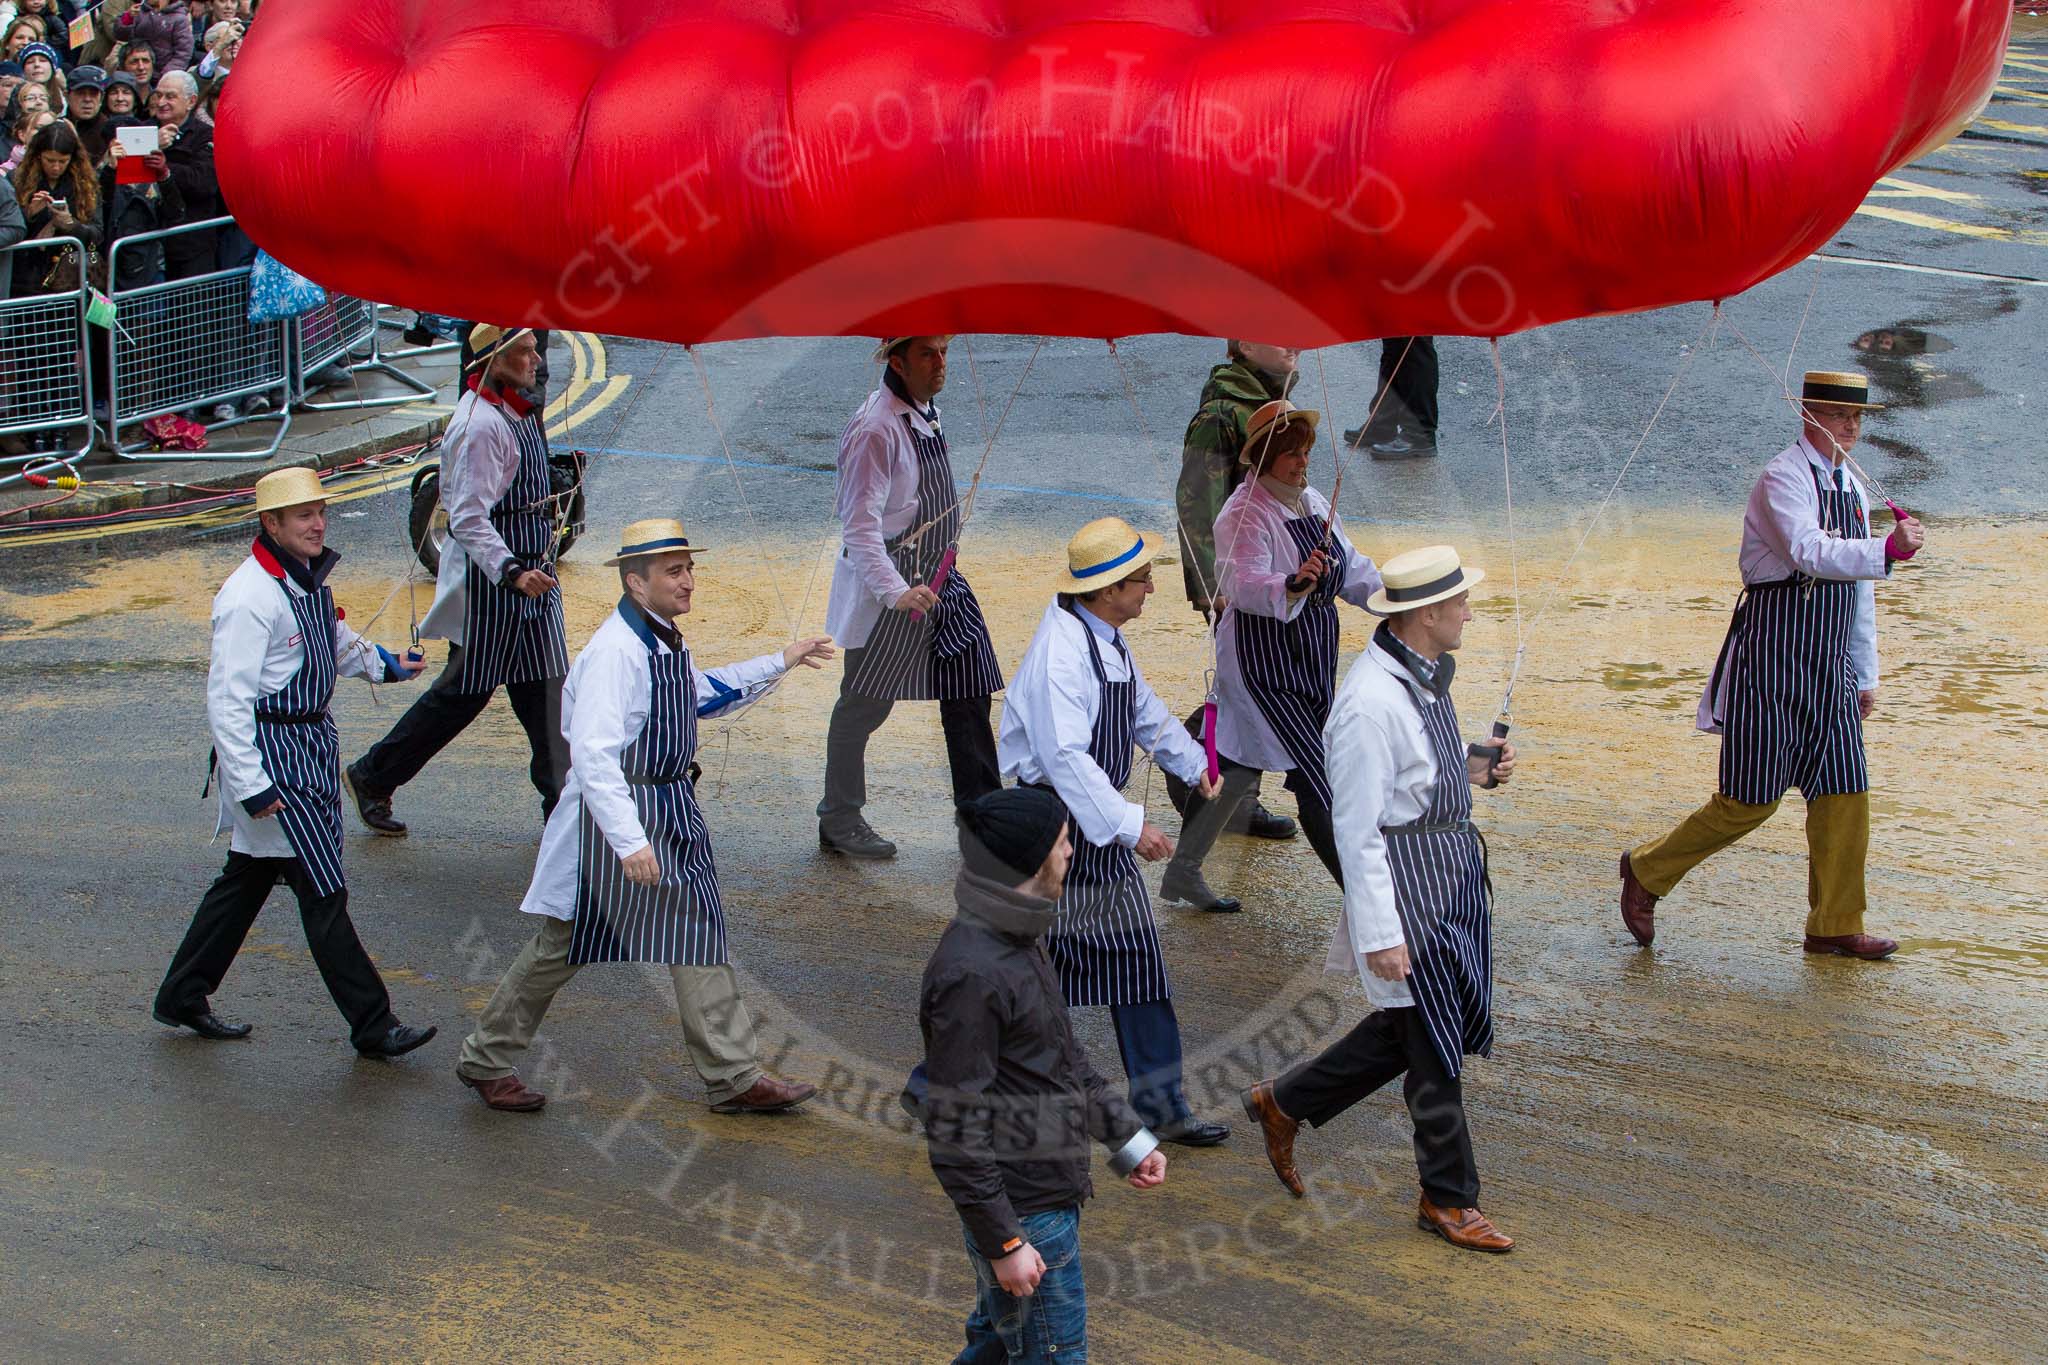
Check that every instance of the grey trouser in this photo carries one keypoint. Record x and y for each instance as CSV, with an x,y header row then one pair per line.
x,y
717,1029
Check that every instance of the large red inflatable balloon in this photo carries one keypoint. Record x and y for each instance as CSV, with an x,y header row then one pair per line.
x,y
1294,170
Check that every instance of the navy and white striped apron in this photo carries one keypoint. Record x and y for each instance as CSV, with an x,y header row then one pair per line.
x,y
1791,715
508,637
948,654
301,751
1104,940
1444,898
1290,667
680,919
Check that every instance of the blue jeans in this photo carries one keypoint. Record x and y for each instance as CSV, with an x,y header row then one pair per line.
x,y
1049,1327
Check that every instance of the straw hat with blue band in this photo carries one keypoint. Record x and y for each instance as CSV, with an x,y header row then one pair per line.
x,y
1104,553
655,536
1421,578
1840,388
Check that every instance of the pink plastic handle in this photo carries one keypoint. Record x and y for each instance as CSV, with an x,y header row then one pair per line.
x,y
1209,738
1900,513
939,578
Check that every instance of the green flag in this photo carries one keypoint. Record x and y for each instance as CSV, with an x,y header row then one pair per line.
x,y
100,310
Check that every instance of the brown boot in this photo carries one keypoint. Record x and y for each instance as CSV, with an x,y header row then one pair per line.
x,y
1467,1228
508,1093
768,1095
1638,907
1278,1130
1869,947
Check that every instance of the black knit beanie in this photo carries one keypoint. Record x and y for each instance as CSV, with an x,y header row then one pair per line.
x,y
1005,835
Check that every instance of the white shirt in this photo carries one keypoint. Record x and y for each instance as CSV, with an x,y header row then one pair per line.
x,y
1382,773
604,709
877,500
1781,536
1049,721
257,649
1255,556
479,460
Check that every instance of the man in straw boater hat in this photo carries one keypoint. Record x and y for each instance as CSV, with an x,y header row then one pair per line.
x,y
625,872
1283,563
1418,904
1079,709
905,640
278,646
496,601
1796,678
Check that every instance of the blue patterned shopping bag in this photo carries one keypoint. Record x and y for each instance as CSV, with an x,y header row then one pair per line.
x,y
278,291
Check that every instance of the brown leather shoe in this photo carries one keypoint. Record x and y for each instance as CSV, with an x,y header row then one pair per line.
x,y
1869,947
1638,907
1278,1130
508,1093
769,1095
1467,1228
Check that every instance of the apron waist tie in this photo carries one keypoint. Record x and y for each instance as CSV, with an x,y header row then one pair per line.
x,y
648,780
1415,827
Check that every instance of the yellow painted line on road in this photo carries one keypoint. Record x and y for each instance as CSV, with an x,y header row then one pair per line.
x,y
1901,188
2027,63
579,377
2002,126
1981,231
2037,96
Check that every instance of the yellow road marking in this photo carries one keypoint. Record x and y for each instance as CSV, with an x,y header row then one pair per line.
x,y
2037,96
1979,230
2002,126
1908,189
579,365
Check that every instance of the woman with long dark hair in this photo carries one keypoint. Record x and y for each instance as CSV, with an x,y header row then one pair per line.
x,y
59,194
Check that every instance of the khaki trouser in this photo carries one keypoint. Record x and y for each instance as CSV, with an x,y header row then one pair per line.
x,y
1837,842
717,1029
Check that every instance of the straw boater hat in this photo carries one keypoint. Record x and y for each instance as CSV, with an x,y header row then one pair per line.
x,y
1272,419
655,536
1839,388
282,488
1104,553
889,344
486,340
1420,577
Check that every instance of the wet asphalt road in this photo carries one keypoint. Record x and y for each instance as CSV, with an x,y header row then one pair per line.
x,y
1721,1150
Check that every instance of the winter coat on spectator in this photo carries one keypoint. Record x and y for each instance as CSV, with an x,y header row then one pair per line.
x,y
191,162
31,266
168,31
132,209
95,134
13,227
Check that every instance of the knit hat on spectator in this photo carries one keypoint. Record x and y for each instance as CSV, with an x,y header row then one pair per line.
x,y
1006,834
39,50
87,78
9,69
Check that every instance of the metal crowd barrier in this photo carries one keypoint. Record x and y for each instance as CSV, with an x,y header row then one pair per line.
x,y
43,375
343,331
188,344
407,350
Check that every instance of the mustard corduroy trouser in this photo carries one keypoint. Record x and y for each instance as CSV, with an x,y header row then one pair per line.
x,y
1837,842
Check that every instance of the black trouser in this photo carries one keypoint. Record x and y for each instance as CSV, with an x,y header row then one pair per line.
x,y
222,922
1410,386
1389,1043
970,747
441,713
1316,825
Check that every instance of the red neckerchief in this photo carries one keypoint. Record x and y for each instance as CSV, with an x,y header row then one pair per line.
x,y
499,398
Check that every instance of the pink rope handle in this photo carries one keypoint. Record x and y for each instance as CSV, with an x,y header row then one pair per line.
x,y
1900,514
939,578
1209,739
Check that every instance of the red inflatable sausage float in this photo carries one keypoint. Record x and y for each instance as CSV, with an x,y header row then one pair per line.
x,y
1304,171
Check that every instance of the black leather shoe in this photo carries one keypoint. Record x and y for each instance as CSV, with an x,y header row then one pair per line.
x,y
1191,888
1399,446
374,808
398,1040
1190,1131
1263,824
855,840
206,1024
